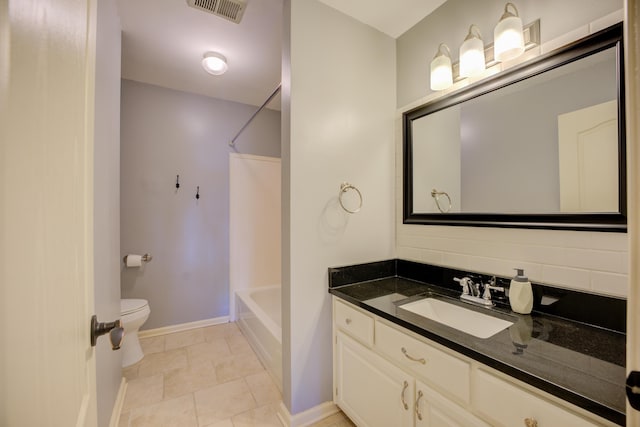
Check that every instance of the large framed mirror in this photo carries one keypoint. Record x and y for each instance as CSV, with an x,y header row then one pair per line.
x,y
541,145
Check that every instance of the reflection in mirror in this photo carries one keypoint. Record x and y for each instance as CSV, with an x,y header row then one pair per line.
x,y
545,143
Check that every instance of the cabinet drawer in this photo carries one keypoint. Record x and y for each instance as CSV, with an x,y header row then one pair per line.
x,y
354,322
509,405
440,369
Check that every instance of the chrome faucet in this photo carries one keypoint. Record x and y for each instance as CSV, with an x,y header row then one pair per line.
x,y
471,290
492,285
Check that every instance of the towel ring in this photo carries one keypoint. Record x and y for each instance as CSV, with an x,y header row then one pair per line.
x,y
344,187
435,194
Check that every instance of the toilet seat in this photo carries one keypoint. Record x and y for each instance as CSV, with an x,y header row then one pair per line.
x,y
128,306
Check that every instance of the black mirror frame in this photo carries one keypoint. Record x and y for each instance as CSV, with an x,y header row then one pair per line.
x,y
608,222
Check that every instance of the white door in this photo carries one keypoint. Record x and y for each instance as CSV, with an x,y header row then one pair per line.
x,y
47,54
632,89
588,159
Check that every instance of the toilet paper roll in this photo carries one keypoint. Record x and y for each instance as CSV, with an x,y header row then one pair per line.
x,y
134,260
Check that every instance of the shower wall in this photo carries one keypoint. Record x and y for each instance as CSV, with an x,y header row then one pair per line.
x,y
165,133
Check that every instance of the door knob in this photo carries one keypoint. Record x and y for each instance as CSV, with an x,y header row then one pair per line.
x,y
115,330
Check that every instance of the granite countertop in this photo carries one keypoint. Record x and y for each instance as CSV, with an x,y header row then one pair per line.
x,y
575,361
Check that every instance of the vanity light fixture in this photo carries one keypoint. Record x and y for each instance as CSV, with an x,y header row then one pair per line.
x,y
441,71
472,60
507,35
214,63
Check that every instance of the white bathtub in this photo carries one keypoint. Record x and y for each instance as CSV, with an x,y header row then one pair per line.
x,y
259,316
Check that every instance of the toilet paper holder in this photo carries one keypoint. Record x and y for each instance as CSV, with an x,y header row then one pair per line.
x,y
145,258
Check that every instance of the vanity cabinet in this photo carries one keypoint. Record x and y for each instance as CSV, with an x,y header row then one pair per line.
x,y
506,404
370,390
385,375
377,392
434,410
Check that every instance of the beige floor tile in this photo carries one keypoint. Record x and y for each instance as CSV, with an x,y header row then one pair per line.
x,y
187,380
183,339
223,401
178,412
223,423
143,391
123,421
263,388
131,372
166,361
220,331
214,351
263,416
237,367
238,344
336,420
152,344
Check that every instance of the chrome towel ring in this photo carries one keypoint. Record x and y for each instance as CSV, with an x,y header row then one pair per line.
x,y
344,187
435,194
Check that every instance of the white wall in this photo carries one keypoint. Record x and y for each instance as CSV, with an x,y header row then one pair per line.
x,y
338,109
588,261
167,133
107,202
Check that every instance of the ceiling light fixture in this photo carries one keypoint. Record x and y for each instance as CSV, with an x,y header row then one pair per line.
x,y
214,63
472,60
441,72
507,36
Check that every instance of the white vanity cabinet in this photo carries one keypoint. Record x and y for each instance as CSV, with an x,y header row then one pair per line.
x,y
506,404
384,375
433,410
377,392
370,390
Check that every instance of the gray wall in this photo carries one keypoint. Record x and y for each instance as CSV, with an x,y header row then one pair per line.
x,y
167,133
510,161
450,22
107,202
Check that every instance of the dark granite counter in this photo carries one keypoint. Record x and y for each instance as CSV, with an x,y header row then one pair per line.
x,y
582,363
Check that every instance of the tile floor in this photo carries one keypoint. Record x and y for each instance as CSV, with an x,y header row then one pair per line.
x,y
207,377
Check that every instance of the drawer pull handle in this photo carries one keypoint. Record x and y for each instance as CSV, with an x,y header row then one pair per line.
x,y
347,321
418,414
404,403
530,422
413,359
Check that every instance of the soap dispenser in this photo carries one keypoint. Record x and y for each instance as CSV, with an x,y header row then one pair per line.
x,y
520,293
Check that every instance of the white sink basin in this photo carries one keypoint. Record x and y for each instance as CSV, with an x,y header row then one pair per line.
x,y
468,321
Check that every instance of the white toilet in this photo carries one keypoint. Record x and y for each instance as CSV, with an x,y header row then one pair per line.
x,y
133,314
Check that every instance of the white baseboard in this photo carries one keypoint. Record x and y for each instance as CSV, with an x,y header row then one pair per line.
x,y
307,417
117,406
182,327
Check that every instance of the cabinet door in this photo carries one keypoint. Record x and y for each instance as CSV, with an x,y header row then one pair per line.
x,y
370,390
434,410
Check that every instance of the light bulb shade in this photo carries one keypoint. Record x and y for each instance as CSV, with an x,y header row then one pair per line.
x,y
441,71
472,60
214,63
508,41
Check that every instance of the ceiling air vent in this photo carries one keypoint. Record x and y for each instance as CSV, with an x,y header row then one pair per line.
x,y
231,10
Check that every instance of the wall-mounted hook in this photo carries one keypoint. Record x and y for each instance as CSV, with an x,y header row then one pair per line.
x,y
177,181
197,193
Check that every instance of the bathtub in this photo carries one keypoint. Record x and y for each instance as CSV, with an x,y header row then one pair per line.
x,y
259,316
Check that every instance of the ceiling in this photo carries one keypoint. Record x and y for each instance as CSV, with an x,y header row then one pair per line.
x,y
392,17
163,42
